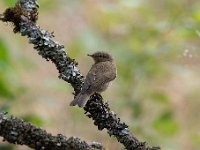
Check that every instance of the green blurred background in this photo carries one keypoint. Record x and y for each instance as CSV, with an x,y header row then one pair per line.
x,y
156,48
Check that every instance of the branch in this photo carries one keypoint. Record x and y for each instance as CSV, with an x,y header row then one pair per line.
x,y
24,17
17,131
104,118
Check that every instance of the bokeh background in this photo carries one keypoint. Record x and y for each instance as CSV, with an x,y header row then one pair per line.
x,y
156,48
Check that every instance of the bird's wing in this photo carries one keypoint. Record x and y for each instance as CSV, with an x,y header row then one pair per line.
x,y
98,75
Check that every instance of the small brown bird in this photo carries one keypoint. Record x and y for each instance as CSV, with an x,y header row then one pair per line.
x,y
98,78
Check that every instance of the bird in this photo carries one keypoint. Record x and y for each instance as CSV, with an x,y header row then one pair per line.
x,y
102,72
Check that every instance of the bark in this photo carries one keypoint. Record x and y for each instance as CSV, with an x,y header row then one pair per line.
x,y
17,131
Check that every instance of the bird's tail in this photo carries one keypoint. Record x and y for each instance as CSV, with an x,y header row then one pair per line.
x,y
79,100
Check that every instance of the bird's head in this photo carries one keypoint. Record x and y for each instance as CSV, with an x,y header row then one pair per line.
x,y
101,57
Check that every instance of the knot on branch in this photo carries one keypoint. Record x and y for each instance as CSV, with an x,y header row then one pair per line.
x,y
16,15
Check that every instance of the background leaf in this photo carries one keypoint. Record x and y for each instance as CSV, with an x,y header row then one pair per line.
x,y
165,124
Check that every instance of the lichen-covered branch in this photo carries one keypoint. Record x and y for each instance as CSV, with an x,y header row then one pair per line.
x,y
17,131
24,16
104,118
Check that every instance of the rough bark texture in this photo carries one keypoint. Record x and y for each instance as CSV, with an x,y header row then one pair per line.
x,y
17,131
104,118
24,16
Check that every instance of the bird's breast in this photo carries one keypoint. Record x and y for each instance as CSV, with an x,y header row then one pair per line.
x,y
103,87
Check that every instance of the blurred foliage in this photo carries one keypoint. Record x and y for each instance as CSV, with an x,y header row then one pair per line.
x,y
196,140
4,65
160,97
34,119
6,147
9,3
165,124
